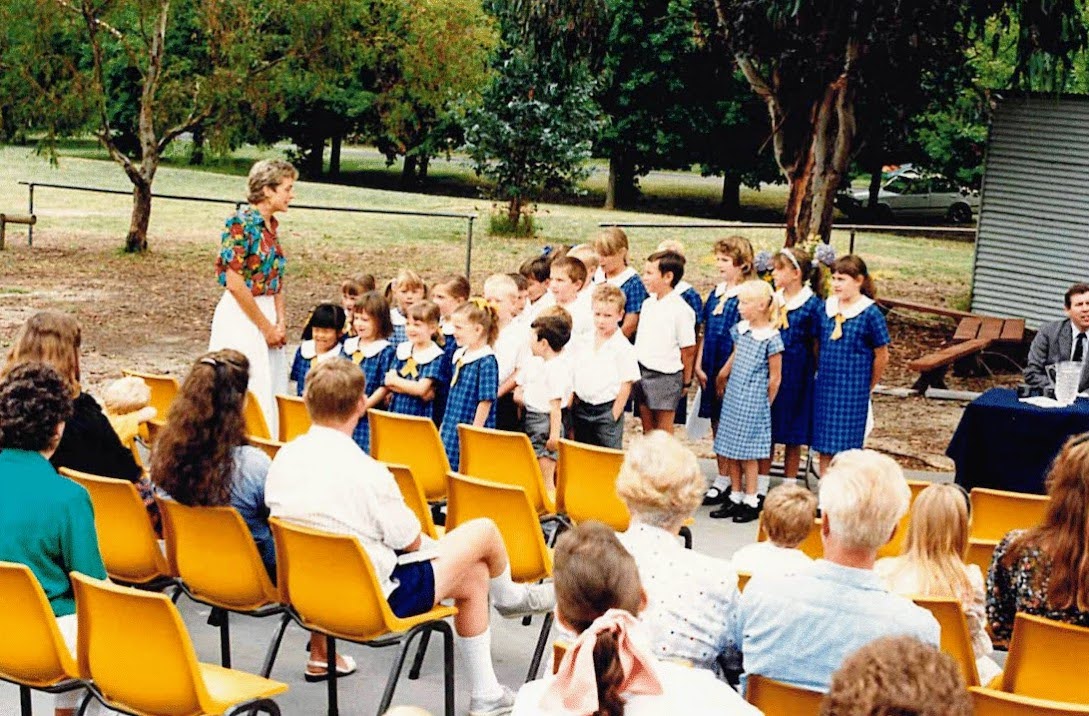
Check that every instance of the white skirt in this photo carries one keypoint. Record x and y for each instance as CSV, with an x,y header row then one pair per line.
x,y
232,328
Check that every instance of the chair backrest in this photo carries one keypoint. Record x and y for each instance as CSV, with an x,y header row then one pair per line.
x,y
32,650
586,484
164,388
330,583
895,546
811,545
126,539
414,498
212,551
256,424
996,512
134,646
507,458
294,419
154,427
956,640
989,702
509,508
980,552
412,441
775,698
1045,660
742,580
270,447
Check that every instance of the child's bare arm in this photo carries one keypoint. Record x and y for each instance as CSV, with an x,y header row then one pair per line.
x,y
880,360
723,375
698,363
688,360
775,375
629,325
377,398
508,385
482,409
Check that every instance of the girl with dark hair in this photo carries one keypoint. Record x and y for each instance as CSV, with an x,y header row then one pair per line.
x,y
201,457
370,349
609,669
321,341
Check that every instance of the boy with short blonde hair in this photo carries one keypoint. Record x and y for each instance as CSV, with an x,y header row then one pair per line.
x,y
788,516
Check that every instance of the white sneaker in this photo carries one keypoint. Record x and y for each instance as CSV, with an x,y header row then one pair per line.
x,y
536,599
498,706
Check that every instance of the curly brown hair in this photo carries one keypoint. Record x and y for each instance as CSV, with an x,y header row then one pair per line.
x,y
897,676
192,458
34,400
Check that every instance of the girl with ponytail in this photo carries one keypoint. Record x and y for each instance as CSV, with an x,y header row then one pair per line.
x,y
609,670
474,384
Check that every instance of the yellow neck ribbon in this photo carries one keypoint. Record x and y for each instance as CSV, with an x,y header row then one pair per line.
x,y
457,372
837,332
782,322
409,369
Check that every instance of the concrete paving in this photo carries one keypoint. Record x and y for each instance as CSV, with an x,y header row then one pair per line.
x,y
360,693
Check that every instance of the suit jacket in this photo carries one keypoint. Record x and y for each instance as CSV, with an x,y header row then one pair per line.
x,y
1053,343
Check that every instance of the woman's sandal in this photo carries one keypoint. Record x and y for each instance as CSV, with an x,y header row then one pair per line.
x,y
315,675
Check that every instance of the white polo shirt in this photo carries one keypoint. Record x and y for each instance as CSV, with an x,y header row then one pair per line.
x,y
600,371
582,318
666,325
511,348
543,381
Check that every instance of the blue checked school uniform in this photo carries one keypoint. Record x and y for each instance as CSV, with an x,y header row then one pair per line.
x,y
475,379
841,396
449,345
799,323
398,320
744,426
692,297
374,359
416,365
720,314
306,357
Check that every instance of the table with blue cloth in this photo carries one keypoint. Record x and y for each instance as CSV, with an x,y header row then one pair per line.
x,y
1006,444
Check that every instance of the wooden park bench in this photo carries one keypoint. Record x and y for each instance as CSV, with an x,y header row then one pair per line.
x,y
5,219
974,335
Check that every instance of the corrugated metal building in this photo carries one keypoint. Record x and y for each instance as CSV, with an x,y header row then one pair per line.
x,y
1033,236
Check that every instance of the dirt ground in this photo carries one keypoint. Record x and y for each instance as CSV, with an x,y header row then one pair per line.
x,y
153,313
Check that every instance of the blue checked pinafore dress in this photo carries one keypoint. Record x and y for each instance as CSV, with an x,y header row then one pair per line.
x,y
720,314
374,359
792,411
428,364
744,427
473,381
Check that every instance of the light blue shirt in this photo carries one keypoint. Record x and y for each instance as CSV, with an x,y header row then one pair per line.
x,y
798,628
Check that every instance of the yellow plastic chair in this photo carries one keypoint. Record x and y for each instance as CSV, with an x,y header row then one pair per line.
x,y
154,427
586,484
996,512
164,388
213,553
414,442
775,698
126,539
133,647
506,458
811,545
742,580
33,654
980,552
414,498
895,546
989,702
955,637
256,424
510,509
293,417
329,586
270,447
1046,660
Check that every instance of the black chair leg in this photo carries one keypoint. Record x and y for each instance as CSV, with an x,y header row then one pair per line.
x,y
538,653
267,706
421,652
24,701
177,595
686,534
274,646
331,674
448,665
225,639
398,665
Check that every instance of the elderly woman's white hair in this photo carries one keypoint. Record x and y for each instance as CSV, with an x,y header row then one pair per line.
x,y
660,481
864,495
268,173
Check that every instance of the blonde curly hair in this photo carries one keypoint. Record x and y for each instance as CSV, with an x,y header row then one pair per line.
x,y
660,480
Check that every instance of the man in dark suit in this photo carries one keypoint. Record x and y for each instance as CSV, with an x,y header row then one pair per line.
x,y
1061,341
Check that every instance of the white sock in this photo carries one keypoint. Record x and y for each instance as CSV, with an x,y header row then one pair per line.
x,y
503,590
751,500
762,482
735,497
476,655
722,483
789,481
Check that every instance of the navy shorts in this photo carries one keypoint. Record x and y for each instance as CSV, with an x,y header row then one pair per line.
x,y
415,592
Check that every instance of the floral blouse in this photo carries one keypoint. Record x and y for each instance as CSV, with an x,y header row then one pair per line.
x,y
1018,583
250,247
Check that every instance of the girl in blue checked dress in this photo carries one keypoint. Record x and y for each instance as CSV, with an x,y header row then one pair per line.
x,y
371,350
475,382
853,354
734,258
448,293
320,341
799,315
417,363
611,246
748,383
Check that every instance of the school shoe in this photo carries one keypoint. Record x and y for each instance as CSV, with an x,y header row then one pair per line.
x,y
498,706
727,510
715,496
536,599
746,513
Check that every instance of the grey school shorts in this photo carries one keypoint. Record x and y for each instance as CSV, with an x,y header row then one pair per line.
x,y
594,425
537,426
659,391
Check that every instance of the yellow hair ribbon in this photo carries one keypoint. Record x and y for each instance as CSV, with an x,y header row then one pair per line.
x,y
837,332
409,369
480,303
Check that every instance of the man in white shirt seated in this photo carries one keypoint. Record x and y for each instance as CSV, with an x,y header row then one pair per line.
x,y
324,481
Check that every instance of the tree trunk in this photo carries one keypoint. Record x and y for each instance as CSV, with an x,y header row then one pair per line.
x,y
313,157
730,205
425,161
136,241
196,154
514,212
334,155
620,190
408,171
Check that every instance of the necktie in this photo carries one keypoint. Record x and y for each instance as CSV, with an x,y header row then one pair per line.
x,y
1079,348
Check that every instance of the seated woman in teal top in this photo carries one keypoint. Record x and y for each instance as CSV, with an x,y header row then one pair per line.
x,y
46,521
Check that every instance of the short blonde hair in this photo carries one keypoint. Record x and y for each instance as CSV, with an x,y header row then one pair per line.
x,y
660,480
671,245
611,241
608,293
333,389
501,284
268,173
788,515
757,290
586,254
126,395
864,495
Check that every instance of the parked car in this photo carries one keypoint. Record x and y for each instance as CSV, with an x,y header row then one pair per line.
x,y
909,194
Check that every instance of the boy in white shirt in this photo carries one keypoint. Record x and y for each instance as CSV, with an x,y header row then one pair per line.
x,y
788,516
604,371
536,272
544,387
665,343
511,347
567,276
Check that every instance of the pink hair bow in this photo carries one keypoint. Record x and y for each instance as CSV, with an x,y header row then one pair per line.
x,y
573,691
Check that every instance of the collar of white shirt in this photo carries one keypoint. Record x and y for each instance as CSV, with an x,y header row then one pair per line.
x,y
309,350
796,301
760,334
370,350
831,307
423,357
730,292
467,356
621,278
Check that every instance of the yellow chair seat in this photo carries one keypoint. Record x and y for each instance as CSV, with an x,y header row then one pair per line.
x,y
227,687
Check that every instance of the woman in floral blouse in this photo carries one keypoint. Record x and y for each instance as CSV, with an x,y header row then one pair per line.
x,y
250,316
1045,570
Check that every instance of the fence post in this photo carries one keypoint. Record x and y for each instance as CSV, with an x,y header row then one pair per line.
x,y
851,250
469,247
30,229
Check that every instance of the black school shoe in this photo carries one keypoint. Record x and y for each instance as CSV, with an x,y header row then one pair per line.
x,y
715,496
746,513
728,509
